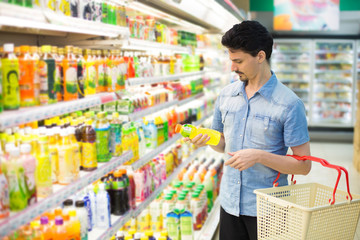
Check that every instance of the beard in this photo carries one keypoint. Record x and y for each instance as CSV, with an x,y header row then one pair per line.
x,y
242,78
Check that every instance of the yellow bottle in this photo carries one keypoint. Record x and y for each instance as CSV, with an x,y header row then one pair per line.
x,y
43,168
188,130
76,154
74,227
90,74
53,153
66,152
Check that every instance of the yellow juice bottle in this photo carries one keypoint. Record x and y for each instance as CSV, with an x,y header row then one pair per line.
x,y
106,62
66,152
88,135
74,227
101,81
76,157
53,153
69,75
91,74
43,168
188,130
10,78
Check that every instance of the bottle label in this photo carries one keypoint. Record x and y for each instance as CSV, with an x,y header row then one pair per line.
x,y
11,94
102,144
43,77
4,197
54,159
101,79
70,80
52,87
90,82
65,165
26,82
17,188
89,155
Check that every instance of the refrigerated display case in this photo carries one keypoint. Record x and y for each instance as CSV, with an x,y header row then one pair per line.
x,y
333,82
357,81
291,62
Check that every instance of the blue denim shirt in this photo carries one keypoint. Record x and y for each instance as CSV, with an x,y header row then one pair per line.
x,y
272,120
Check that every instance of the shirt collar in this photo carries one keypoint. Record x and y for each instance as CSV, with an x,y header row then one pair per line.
x,y
268,88
265,91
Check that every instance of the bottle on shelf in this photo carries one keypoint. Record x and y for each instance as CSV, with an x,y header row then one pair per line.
x,y
102,129
26,78
89,154
103,219
90,73
60,232
70,75
66,151
46,228
29,164
81,69
188,130
82,214
4,190
10,78
74,229
47,68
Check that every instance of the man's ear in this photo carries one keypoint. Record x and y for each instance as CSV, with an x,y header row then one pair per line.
x,y
261,56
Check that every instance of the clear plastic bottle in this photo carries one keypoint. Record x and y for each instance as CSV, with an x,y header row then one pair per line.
x,y
65,159
76,157
74,226
4,190
46,228
83,218
29,164
115,135
103,219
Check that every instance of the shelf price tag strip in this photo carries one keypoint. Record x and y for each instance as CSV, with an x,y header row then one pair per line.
x,y
25,216
25,115
147,111
160,79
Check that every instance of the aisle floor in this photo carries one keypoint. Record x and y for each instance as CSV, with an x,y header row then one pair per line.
x,y
336,153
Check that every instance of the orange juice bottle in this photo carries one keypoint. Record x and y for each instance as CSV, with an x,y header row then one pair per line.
x,y
26,79
99,63
57,54
46,228
34,50
74,227
69,75
59,229
90,73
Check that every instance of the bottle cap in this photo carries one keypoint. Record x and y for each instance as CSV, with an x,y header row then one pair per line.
x,y
120,234
164,233
25,148
66,217
46,49
44,220
79,203
8,47
178,128
137,235
34,224
58,212
68,202
59,221
72,213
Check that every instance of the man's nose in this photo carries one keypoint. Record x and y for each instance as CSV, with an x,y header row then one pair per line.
x,y
233,67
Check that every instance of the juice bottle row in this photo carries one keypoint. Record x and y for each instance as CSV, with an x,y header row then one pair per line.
x,y
33,76
115,193
182,207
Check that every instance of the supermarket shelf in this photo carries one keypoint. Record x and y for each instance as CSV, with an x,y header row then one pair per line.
x,y
326,90
60,194
332,109
333,80
299,90
333,62
208,230
290,51
30,114
290,61
153,153
160,79
349,52
332,71
145,45
338,123
291,71
332,100
187,100
137,115
105,234
39,21
294,81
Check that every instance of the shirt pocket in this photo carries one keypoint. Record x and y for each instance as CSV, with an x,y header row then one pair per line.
x,y
265,131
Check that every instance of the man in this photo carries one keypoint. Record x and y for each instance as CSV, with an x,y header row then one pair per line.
x,y
259,118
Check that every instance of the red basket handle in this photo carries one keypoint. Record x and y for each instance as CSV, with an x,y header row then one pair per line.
x,y
325,164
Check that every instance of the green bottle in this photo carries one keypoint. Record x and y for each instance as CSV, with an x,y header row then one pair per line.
x,y
10,78
1,92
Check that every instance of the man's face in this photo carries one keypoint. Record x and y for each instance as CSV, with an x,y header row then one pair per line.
x,y
245,65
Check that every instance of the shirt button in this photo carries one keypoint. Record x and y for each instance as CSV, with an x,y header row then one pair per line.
x,y
238,182
240,135
244,119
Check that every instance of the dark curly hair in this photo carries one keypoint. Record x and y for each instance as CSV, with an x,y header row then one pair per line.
x,y
250,37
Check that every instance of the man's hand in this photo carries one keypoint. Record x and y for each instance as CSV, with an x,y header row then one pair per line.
x,y
199,141
243,159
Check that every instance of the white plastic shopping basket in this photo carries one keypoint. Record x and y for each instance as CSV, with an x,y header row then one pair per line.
x,y
307,211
